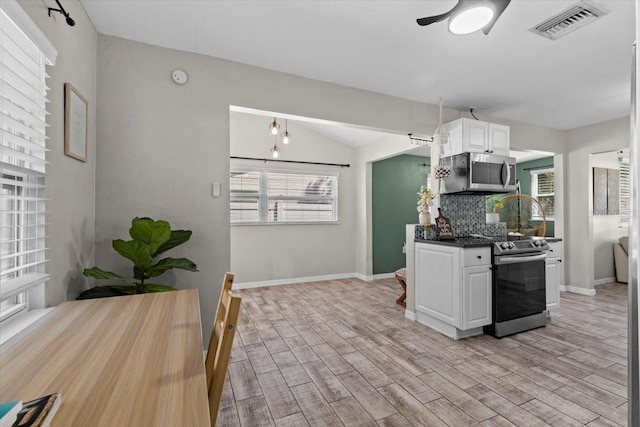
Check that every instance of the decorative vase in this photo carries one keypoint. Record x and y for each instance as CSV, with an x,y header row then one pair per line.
x,y
424,218
493,218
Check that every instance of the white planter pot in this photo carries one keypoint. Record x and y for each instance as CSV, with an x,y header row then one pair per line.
x,y
493,218
424,218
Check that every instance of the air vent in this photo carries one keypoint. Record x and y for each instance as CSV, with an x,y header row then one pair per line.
x,y
568,20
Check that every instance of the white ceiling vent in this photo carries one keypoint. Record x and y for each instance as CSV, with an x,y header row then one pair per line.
x,y
568,20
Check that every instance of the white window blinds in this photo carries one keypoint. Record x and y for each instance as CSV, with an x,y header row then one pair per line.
x,y
624,190
542,189
269,196
22,153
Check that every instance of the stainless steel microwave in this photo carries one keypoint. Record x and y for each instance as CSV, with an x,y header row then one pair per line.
x,y
477,173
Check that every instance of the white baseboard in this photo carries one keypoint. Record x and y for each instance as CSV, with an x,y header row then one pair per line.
x,y
578,290
278,282
384,276
604,281
410,315
363,277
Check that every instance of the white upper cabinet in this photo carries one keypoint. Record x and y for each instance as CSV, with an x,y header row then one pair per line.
x,y
476,136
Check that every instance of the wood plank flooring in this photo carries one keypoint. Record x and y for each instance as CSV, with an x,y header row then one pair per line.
x,y
341,353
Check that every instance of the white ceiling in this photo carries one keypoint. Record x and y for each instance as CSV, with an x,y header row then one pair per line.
x,y
580,79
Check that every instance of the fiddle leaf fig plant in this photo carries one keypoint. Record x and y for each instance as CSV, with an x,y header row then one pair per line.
x,y
149,239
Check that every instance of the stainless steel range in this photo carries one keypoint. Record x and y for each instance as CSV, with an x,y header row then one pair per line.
x,y
519,298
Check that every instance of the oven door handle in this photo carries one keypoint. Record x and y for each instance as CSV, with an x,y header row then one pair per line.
x,y
501,260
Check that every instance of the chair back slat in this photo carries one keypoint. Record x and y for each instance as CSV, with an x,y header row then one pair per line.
x,y
223,351
227,282
220,344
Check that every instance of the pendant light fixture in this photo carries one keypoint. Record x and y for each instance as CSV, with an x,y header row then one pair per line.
x,y
274,127
286,136
275,151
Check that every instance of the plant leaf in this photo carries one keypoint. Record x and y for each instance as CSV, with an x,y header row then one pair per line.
x,y
107,291
134,250
150,232
169,263
151,287
98,273
178,237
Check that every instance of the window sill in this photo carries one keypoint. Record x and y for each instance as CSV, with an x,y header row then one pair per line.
x,y
20,322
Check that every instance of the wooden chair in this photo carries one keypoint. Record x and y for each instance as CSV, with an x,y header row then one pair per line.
x,y
220,344
401,277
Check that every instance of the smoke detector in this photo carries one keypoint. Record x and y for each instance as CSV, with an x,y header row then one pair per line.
x,y
569,20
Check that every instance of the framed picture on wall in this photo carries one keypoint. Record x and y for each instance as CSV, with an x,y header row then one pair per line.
x,y
76,122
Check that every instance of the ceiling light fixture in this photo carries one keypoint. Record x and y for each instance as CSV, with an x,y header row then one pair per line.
x,y
469,16
286,136
471,19
274,127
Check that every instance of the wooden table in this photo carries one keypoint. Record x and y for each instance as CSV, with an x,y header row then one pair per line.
x,y
122,361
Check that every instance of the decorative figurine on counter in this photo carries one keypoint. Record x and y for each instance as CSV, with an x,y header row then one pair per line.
x,y
443,227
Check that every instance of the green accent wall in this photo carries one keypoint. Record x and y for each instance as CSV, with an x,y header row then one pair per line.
x,y
524,176
394,184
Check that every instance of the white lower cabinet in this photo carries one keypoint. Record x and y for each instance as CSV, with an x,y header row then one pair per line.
x,y
453,288
476,296
553,274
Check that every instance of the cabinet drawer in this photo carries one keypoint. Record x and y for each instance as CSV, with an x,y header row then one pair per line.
x,y
476,256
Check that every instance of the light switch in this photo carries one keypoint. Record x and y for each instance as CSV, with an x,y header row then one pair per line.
x,y
216,189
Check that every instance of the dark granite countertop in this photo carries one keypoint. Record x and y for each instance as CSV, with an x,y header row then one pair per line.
x,y
477,242
460,242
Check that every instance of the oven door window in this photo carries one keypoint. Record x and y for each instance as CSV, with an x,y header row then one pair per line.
x,y
519,290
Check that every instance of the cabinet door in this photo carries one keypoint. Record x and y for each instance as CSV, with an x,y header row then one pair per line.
x,y
499,139
552,282
437,281
475,136
476,296
556,250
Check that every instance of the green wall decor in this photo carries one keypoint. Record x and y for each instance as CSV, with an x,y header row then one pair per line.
x,y
394,185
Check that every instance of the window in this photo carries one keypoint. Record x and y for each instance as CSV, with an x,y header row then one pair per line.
x,y
22,158
282,196
624,190
542,190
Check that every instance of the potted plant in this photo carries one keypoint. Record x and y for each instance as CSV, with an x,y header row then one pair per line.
x,y
493,207
149,239
425,200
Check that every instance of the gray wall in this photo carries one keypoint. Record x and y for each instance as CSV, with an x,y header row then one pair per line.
x,y
71,183
287,251
581,143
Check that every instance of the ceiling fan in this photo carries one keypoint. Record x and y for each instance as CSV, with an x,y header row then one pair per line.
x,y
468,16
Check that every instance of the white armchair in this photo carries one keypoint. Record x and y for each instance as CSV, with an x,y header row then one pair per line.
x,y
621,259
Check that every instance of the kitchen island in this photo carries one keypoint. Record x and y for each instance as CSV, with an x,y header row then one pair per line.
x,y
453,285
450,282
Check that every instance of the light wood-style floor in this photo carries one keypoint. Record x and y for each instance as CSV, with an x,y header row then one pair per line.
x,y
341,353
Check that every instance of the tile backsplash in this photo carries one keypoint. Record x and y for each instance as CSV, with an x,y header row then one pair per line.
x,y
467,214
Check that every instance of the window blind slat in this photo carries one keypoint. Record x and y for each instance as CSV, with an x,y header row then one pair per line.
x,y
11,287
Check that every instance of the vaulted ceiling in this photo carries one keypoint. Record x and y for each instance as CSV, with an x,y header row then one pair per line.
x,y
579,79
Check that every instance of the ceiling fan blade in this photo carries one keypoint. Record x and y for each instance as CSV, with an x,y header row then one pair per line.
x,y
437,18
500,5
